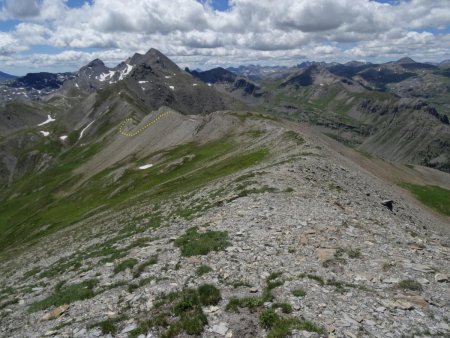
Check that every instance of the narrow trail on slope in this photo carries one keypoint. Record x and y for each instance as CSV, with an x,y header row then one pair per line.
x,y
140,130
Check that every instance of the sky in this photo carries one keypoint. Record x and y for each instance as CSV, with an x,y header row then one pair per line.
x,y
63,35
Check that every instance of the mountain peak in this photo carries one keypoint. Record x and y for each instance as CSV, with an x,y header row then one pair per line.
x,y
405,60
96,63
156,59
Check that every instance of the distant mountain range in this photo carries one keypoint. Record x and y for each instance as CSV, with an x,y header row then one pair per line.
x,y
359,103
6,77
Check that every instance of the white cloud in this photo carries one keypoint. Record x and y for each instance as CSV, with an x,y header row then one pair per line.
x,y
21,8
9,45
191,31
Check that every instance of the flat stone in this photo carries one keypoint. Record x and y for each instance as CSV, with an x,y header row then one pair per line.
x,y
423,280
325,254
129,328
419,301
369,322
342,323
349,319
212,309
194,260
80,333
360,278
95,333
422,268
444,326
50,333
220,328
404,305
350,334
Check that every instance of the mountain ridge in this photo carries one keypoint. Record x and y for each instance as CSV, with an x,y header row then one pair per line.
x,y
139,201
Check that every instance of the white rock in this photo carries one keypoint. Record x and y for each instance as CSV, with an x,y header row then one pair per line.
x,y
80,333
220,328
444,326
129,328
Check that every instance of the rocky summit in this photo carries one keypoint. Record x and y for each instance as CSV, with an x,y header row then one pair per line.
x,y
139,201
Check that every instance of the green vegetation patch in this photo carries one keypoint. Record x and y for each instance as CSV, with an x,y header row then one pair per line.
x,y
432,196
209,294
285,307
109,325
255,303
280,327
141,267
262,190
202,270
194,243
339,285
67,295
298,293
179,312
126,264
51,203
410,284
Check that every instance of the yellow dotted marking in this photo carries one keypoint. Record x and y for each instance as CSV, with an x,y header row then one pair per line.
x,y
140,130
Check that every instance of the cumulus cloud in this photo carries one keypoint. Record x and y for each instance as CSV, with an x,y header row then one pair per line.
x,y
9,45
249,31
21,8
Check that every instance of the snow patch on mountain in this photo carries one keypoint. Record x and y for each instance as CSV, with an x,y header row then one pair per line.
x,y
103,77
125,72
85,128
146,166
49,119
